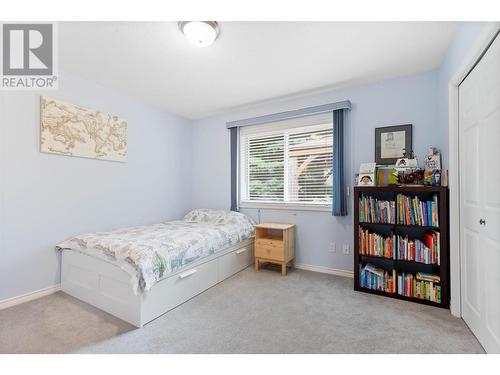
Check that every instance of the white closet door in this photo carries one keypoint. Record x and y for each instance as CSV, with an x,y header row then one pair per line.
x,y
479,125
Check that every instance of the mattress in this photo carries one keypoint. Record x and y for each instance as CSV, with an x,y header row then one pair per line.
x,y
150,253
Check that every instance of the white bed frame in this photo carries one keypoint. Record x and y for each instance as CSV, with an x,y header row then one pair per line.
x,y
107,287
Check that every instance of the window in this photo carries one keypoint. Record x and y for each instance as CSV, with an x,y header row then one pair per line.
x,y
287,162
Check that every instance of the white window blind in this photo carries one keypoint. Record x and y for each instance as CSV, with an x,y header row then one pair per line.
x,y
288,162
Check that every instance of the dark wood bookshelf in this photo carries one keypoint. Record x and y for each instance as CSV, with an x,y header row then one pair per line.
x,y
389,193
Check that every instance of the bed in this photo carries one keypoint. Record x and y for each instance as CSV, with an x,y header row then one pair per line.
x,y
139,273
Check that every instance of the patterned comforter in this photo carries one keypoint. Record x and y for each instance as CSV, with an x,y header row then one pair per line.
x,y
149,253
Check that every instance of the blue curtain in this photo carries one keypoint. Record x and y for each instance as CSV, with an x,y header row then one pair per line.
x,y
339,204
234,168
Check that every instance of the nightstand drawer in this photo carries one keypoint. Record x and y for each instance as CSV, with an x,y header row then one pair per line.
x,y
272,242
269,249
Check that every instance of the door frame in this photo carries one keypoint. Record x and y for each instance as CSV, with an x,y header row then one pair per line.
x,y
468,63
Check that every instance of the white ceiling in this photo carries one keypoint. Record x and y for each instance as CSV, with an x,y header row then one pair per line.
x,y
250,62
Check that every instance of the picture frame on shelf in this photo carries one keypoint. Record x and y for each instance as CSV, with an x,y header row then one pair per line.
x,y
366,176
392,142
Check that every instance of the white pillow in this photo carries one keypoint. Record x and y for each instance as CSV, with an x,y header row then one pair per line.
x,y
205,215
236,218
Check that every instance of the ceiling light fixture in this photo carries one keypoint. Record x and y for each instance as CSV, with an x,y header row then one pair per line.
x,y
200,33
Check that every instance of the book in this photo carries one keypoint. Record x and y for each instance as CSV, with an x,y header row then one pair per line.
x,y
422,286
366,175
375,278
386,175
372,210
428,277
413,211
374,244
400,247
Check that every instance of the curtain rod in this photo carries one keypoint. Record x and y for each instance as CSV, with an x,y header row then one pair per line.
x,y
330,107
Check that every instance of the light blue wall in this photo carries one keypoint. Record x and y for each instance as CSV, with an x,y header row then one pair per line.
x,y
46,198
404,100
175,164
463,41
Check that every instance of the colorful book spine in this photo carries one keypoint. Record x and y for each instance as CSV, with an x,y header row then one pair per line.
x,y
422,286
374,244
372,210
371,277
399,247
413,211
427,251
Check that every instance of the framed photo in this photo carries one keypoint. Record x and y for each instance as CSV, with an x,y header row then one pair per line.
x,y
366,176
391,142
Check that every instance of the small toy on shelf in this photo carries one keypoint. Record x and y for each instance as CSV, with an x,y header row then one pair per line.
x,y
412,178
407,169
407,164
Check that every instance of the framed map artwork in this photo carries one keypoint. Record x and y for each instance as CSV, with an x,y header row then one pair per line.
x,y
69,129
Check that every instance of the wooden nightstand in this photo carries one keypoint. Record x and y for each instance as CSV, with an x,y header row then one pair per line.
x,y
275,243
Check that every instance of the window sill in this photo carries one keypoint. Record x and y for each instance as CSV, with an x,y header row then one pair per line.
x,y
287,206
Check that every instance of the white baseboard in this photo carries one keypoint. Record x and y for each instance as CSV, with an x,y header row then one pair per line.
x,y
9,302
328,270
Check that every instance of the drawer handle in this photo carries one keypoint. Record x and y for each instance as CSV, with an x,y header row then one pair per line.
x,y
240,251
187,273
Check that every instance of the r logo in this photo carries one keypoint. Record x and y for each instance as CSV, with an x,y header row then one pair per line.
x,y
27,49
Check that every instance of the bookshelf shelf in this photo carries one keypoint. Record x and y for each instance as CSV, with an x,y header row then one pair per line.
x,y
397,296
374,257
400,225
408,267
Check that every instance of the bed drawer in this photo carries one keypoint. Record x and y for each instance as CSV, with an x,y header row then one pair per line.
x,y
234,262
178,288
195,280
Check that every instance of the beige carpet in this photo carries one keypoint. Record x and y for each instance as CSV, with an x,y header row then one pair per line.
x,y
251,312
